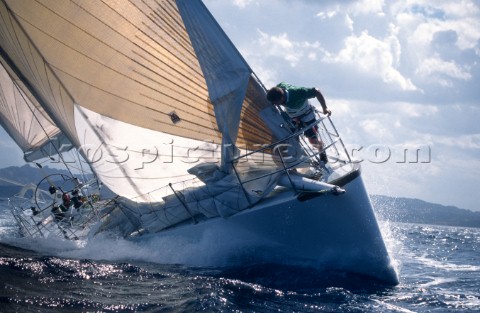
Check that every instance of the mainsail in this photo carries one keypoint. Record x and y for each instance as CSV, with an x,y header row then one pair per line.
x,y
145,90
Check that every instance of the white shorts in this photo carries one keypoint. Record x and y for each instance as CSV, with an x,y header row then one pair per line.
x,y
305,112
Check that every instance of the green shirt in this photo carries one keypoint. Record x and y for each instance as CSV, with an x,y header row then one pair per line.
x,y
297,96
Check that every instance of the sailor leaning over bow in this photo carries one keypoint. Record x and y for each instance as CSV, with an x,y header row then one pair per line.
x,y
295,101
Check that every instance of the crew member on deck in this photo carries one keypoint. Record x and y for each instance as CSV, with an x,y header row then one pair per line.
x,y
298,108
77,199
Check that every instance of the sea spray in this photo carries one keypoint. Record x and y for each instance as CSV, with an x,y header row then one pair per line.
x,y
393,241
212,249
393,244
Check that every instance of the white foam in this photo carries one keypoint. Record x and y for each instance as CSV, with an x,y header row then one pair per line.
x,y
47,246
448,266
210,250
392,308
437,281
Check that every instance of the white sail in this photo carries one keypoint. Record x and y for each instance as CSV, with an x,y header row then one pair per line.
x,y
25,120
133,91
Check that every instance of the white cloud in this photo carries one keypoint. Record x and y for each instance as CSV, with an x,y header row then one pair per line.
x,y
467,30
342,107
349,22
373,57
327,15
291,51
421,46
242,3
470,142
415,110
436,66
434,36
375,128
366,7
459,16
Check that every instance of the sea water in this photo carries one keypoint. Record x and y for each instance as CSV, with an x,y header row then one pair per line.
x,y
439,269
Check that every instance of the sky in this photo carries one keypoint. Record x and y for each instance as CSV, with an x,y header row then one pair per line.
x,y
402,79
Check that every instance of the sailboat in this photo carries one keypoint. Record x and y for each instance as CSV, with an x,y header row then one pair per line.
x,y
172,119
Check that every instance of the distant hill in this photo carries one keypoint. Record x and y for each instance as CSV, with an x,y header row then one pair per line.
x,y
27,174
389,208
418,211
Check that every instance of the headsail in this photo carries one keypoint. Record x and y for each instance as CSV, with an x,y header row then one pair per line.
x,y
220,62
25,120
125,81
